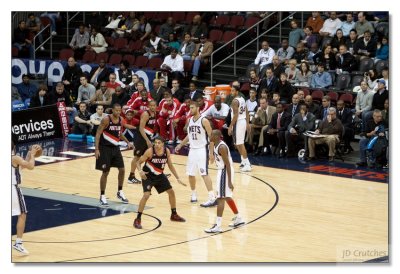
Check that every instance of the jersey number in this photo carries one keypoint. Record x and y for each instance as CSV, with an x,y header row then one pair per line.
x,y
241,110
194,136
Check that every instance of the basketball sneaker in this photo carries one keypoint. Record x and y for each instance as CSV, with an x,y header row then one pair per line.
x,y
213,229
137,223
20,248
245,168
103,201
132,180
210,203
237,221
176,218
121,196
193,198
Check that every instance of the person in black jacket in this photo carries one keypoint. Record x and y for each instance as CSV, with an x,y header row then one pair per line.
x,y
346,117
99,74
284,88
118,97
365,47
345,60
70,78
41,98
268,82
177,91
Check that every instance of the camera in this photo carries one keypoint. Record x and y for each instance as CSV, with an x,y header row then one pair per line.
x,y
366,74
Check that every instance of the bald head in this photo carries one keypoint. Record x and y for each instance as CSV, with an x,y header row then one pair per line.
x,y
216,135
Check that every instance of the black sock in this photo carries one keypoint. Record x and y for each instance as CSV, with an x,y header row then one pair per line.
x,y
132,174
102,192
119,188
139,215
173,210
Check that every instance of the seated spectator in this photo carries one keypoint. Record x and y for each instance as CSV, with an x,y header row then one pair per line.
x,y
301,122
348,25
34,25
71,77
153,47
201,54
304,76
315,21
264,56
102,96
321,79
385,76
196,29
374,127
295,35
187,47
276,98
292,71
345,115
294,107
97,42
169,44
142,30
85,91
15,95
269,82
112,83
284,88
330,25
95,118
338,40
177,91
157,91
351,41
118,97
313,51
79,42
309,37
133,88
300,93
61,95
124,75
126,25
217,113
251,103
324,108
332,128
365,47
166,29
254,79
371,77
21,39
345,60
363,101
276,66
285,52
99,74
301,53
312,107
362,25
327,57
167,110
54,17
82,124
173,65
382,52
26,89
194,92
41,98
94,19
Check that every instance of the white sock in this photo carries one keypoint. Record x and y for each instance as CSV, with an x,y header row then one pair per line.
x,y
18,241
246,161
193,192
241,158
219,221
211,195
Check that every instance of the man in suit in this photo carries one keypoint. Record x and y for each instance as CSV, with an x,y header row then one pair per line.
x,y
157,92
269,81
201,54
313,108
275,133
294,107
323,110
346,117
193,91
301,122
260,122
99,74
345,60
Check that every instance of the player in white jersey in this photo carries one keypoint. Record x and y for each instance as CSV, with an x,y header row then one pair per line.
x,y
18,201
239,125
198,130
224,187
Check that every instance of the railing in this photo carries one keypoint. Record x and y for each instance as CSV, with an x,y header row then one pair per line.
x,y
70,19
234,41
44,42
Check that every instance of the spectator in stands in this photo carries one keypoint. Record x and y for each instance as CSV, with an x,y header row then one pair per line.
x,y
324,108
15,94
292,71
294,107
251,103
70,78
54,17
276,66
365,47
153,47
97,41
332,128
170,43
86,91
348,25
285,52
315,22
363,101
118,97
124,75
21,39
166,29
193,91
217,113
371,77
173,64
309,37
259,124
345,60
362,25
201,54
321,79
301,122
338,40
380,95
276,98
275,134
312,108
196,29
99,74
269,81
34,25
96,118
142,30
385,76
126,25
295,35
327,57
285,88
345,114
304,76
26,89
103,96
254,79
301,53
301,94
385,113
41,98
264,56
82,124
158,91
313,51
187,47
382,52
351,41
177,91
133,88
371,130
79,42
167,110
330,25
112,83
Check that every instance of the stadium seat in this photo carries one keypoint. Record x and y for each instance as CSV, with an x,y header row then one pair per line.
x,y
14,52
342,82
334,96
382,29
236,22
134,47
189,17
228,36
101,56
220,21
141,61
115,59
347,99
65,54
317,96
356,80
119,44
380,65
250,21
215,35
154,63
366,64
178,16
162,16
89,57
130,58
109,40
150,15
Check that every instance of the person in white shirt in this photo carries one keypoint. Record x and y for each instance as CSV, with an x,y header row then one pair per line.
x,y
173,63
264,56
217,113
97,42
348,25
331,25
95,118
251,103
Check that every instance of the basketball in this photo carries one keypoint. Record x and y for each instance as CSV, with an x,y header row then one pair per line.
x,y
39,151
